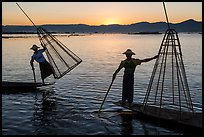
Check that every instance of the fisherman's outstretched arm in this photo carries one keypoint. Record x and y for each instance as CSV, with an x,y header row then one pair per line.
x,y
44,48
149,59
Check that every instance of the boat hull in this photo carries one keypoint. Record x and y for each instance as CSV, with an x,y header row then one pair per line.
x,y
20,86
182,121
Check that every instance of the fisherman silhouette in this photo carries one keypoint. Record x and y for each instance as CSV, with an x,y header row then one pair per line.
x,y
45,67
128,78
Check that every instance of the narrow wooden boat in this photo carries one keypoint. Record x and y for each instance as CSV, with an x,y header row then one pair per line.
x,y
183,121
20,86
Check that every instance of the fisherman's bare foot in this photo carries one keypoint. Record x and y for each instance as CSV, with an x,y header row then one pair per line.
x,y
129,104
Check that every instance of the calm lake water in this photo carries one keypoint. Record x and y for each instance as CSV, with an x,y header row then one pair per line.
x,y
67,106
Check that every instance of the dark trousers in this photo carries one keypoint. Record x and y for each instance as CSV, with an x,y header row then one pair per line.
x,y
128,88
45,69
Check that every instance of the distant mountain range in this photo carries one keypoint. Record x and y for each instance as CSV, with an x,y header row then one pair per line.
x,y
185,26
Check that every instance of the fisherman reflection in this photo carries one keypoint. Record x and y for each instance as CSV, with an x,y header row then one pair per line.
x,y
45,113
45,67
126,128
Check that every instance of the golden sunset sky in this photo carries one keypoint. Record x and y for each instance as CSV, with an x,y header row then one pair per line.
x,y
98,13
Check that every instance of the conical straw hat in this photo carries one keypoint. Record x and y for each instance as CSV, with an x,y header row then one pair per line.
x,y
129,51
34,47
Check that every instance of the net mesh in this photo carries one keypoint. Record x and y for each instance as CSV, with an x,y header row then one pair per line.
x,y
168,87
60,57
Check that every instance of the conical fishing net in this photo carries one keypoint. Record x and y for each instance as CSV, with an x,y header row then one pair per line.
x,y
168,86
60,57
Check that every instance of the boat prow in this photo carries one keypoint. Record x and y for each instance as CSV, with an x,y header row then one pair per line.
x,y
21,86
186,121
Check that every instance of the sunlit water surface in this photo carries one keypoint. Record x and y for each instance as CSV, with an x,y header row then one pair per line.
x,y
67,106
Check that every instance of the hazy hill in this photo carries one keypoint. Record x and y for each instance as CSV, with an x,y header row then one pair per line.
x,y
185,26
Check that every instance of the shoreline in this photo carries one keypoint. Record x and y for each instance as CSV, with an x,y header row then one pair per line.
x,y
27,35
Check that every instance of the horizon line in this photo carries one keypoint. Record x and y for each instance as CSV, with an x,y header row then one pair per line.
x,y
101,24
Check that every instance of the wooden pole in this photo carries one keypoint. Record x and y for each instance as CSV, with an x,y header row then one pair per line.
x,y
105,96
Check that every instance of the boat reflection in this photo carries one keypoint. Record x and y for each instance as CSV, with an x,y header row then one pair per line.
x,y
126,124
144,127
45,113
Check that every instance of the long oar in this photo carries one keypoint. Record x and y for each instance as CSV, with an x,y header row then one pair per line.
x,y
105,96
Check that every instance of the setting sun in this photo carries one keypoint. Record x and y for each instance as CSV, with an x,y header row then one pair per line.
x,y
111,21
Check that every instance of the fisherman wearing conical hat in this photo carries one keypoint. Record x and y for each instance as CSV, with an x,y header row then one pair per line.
x,y
128,78
45,68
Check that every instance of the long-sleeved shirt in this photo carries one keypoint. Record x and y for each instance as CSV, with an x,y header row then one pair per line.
x,y
38,56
